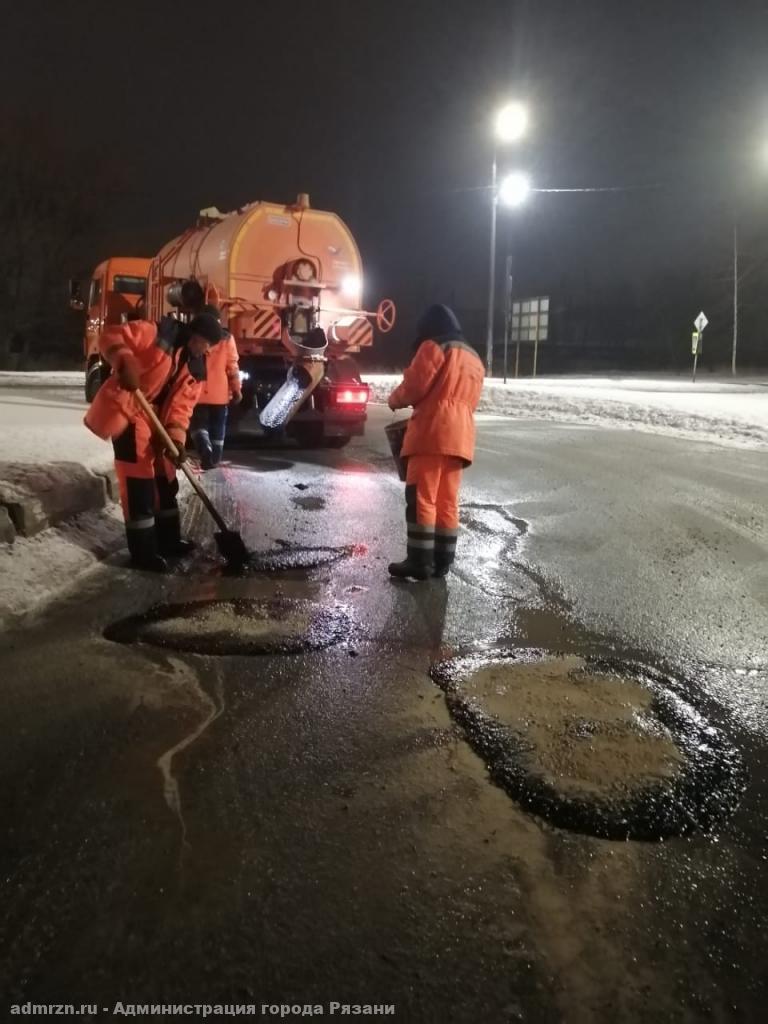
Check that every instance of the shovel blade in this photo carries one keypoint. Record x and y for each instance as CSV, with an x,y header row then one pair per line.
x,y
231,547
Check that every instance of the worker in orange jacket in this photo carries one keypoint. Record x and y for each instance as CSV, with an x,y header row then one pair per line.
x,y
167,360
220,388
443,384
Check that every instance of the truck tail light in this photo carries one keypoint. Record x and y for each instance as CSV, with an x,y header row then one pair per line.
x,y
351,396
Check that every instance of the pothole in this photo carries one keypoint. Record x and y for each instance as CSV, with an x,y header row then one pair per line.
x,y
602,747
288,557
310,503
285,558
237,626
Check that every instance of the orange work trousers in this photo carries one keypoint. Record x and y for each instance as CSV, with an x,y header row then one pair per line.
x,y
432,507
148,489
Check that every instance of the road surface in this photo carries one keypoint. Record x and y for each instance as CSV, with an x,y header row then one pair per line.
x,y
300,828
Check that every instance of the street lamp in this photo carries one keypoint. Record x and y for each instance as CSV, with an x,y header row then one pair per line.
x,y
511,122
510,125
514,189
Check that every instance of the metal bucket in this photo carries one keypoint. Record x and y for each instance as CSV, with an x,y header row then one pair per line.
x,y
395,435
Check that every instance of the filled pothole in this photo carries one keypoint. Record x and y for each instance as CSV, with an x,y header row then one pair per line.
x,y
290,558
236,626
597,746
286,558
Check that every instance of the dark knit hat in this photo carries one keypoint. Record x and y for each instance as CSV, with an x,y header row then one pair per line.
x,y
439,323
208,327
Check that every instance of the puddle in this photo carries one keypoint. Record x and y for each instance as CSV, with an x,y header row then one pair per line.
x,y
309,503
598,746
238,626
493,521
492,566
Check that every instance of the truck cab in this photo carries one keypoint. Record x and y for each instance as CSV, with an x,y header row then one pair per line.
x,y
115,293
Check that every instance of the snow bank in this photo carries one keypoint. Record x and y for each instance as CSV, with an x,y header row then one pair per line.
x,y
728,412
35,569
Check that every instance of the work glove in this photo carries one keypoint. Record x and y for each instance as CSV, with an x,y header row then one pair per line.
x,y
179,438
128,373
237,397
392,405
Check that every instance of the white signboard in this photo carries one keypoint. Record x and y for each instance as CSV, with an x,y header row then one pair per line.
x,y
700,322
530,320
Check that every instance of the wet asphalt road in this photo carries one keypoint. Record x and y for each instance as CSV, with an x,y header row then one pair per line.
x,y
312,827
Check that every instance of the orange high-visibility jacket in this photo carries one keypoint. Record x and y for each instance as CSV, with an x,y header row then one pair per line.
x,y
222,373
443,384
159,372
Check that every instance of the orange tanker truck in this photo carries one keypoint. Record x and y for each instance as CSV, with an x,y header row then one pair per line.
x,y
288,281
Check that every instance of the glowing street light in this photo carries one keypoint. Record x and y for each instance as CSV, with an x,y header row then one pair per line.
x,y
510,125
511,122
514,189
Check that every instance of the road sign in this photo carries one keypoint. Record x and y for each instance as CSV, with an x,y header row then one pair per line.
x,y
696,341
700,322
529,321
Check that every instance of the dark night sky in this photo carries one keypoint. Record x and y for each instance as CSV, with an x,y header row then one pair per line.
x,y
380,110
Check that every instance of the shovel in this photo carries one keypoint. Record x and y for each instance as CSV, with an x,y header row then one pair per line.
x,y
229,542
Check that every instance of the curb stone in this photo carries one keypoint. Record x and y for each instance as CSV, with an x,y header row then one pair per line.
x,y
37,496
7,529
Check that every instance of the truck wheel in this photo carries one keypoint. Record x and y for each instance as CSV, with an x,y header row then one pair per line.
x,y
337,442
93,379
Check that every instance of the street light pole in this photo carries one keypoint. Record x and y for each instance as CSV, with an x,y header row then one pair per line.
x,y
735,295
510,125
492,277
507,311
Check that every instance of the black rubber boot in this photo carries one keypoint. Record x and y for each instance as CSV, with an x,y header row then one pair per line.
x,y
150,563
180,548
445,550
419,559
409,569
142,545
217,450
168,533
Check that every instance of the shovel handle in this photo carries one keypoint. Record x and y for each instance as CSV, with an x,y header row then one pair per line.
x,y
174,452
157,426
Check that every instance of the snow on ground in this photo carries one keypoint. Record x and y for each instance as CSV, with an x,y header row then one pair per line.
x,y
721,409
49,428
35,569
733,412
42,379
37,427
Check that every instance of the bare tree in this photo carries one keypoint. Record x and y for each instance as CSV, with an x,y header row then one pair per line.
x,y
51,201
